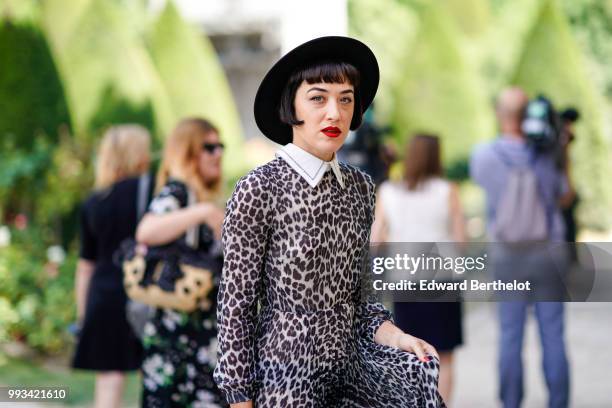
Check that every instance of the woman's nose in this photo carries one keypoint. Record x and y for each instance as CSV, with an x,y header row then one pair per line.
x,y
333,113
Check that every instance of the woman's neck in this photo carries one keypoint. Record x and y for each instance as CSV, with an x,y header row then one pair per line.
x,y
325,156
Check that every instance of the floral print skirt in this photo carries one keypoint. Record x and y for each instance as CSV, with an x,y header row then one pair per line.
x,y
179,358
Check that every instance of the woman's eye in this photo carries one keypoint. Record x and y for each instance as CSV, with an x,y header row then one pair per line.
x,y
346,100
317,98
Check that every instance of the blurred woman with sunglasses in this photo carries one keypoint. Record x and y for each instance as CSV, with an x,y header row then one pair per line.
x,y
180,347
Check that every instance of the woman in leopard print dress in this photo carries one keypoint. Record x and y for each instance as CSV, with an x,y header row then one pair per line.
x,y
294,330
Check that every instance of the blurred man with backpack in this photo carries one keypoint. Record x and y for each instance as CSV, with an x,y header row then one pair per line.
x,y
523,185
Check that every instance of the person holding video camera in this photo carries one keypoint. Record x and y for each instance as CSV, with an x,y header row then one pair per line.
x,y
570,200
523,184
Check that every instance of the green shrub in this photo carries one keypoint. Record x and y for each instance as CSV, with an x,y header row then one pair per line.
x,y
36,300
32,102
21,175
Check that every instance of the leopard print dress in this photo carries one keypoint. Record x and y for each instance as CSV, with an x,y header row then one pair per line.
x,y
293,329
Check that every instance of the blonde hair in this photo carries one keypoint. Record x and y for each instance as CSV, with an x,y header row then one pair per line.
x,y
181,157
123,152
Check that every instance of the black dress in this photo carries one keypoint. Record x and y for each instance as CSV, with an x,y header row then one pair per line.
x,y
106,341
438,323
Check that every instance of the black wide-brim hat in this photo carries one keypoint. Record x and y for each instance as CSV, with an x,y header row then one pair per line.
x,y
334,48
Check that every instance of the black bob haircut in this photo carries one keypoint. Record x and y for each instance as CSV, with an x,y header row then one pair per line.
x,y
331,72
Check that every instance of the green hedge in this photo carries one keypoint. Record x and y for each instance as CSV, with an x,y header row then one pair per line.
x,y
37,302
32,102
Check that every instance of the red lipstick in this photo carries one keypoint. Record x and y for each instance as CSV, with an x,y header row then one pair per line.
x,y
331,131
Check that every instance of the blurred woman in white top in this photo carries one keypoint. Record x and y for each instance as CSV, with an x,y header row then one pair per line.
x,y
424,207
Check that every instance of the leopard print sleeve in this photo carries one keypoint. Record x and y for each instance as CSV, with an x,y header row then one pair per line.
x,y
371,314
244,240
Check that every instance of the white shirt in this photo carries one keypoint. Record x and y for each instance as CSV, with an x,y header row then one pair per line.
x,y
420,215
309,166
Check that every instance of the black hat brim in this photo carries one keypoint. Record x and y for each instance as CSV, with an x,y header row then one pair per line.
x,y
345,49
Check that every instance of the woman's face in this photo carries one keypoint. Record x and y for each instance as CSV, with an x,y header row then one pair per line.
x,y
211,153
327,111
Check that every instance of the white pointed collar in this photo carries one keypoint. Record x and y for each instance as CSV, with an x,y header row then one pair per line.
x,y
309,166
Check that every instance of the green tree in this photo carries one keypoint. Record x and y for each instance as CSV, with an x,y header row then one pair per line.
x,y
32,110
194,81
429,76
591,24
31,94
439,91
472,16
389,28
20,10
104,65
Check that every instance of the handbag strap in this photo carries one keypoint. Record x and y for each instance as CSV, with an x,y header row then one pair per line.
x,y
192,235
143,193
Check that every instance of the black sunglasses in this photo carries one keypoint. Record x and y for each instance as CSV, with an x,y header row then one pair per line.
x,y
212,147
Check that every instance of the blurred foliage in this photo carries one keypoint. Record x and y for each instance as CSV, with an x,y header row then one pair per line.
x,y
33,291
71,68
8,317
389,28
195,82
67,182
32,104
43,186
471,16
33,110
115,109
145,69
427,83
448,59
119,72
59,21
439,92
499,49
566,82
458,171
591,24
20,10
21,176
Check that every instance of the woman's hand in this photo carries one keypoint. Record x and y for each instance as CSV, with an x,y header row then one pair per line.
x,y
247,404
415,345
84,272
210,215
390,335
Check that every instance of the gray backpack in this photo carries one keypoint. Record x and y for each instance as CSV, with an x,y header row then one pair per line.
x,y
521,214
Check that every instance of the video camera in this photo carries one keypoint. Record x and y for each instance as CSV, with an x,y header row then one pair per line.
x,y
544,126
